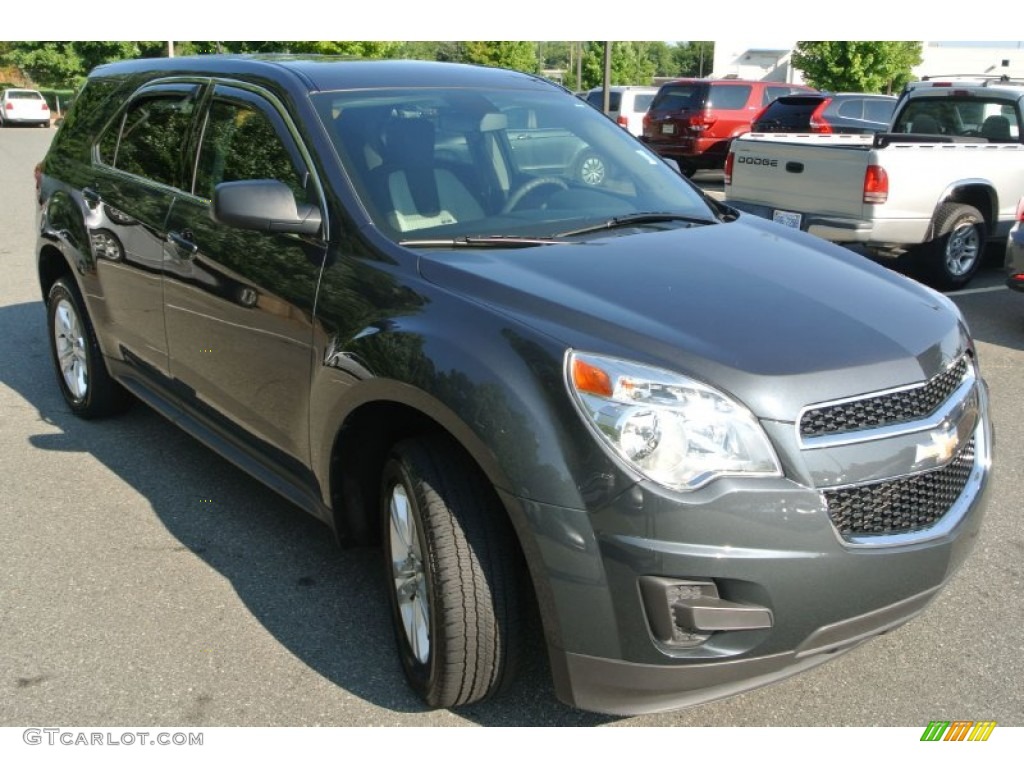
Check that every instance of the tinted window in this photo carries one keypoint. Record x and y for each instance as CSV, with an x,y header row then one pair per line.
x,y
240,143
33,95
148,139
729,96
879,110
675,97
772,92
787,114
642,102
596,99
852,108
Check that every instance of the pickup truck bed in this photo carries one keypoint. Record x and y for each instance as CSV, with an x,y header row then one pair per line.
x,y
885,192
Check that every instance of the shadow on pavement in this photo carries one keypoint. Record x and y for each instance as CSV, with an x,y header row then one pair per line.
x,y
325,606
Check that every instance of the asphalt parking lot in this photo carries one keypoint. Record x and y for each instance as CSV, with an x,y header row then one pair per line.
x,y
145,581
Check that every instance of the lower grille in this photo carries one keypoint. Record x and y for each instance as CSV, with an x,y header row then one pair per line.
x,y
902,505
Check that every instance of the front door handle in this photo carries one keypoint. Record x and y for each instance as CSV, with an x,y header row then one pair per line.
x,y
183,243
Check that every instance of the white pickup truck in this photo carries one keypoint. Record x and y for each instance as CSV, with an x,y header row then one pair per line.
x,y
943,181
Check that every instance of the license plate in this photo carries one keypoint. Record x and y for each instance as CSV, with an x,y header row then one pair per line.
x,y
668,128
787,218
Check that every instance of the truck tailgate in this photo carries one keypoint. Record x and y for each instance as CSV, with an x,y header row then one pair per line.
x,y
816,172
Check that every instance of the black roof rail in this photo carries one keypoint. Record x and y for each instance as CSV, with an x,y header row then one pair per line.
x,y
988,78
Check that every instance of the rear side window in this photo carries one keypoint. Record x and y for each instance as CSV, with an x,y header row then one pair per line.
x,y
852,108
642,102
729,96
147,140
879,110
773,92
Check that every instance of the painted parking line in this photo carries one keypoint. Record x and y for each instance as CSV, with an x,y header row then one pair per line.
x,y
969,291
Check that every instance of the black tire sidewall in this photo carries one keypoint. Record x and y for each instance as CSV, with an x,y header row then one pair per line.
x,y
947,219
62,291
422,676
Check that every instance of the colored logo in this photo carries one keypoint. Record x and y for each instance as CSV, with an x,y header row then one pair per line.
x,y
958,730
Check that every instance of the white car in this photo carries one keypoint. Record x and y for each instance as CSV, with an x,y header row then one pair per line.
x,y
627,104
20,106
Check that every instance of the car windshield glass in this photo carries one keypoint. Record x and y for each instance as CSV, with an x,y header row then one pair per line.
x,y
440,163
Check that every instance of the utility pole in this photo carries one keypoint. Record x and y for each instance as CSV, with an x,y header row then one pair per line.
x,y
607,75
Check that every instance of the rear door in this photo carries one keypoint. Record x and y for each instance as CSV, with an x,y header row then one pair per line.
x,y
137,173
239,303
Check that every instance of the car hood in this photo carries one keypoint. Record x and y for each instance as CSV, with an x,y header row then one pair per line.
x,y
778,319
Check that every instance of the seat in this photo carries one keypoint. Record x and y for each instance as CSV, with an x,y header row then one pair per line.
x,y
416,190
925,124
996,128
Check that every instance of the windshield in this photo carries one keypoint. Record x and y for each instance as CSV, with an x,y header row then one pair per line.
x,y
440,163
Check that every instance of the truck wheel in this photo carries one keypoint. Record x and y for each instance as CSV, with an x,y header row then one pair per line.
x,y
453,582
82,375
955,252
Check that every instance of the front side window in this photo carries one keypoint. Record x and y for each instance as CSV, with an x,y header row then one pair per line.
x,y
240,143
147,140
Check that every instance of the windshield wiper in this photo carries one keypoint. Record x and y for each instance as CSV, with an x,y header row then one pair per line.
x,y
650,217
485,241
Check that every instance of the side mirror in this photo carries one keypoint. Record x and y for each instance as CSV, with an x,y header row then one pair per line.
x,y
263,205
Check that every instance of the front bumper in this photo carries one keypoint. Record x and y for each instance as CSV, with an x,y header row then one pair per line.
x,y
768,546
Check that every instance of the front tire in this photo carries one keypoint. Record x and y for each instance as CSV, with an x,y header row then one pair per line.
x,y
453,583
955,253
82,376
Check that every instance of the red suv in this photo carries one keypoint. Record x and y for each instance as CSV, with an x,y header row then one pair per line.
x,y
694,121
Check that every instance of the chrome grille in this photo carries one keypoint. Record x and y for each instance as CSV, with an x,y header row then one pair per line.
x,y
902,505
881,410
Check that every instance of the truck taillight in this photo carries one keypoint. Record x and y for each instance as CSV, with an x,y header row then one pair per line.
x,y
876,185
818,123
727,174
623,121
1020,210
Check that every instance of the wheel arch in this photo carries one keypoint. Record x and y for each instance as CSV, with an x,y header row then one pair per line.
x,y
361,443
976,193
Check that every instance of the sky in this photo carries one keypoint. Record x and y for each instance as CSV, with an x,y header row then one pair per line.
x,y
522,20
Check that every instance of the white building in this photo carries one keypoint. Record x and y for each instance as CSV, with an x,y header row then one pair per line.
x,y
771,60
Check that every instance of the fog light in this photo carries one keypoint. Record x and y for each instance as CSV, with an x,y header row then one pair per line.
x,y
686,613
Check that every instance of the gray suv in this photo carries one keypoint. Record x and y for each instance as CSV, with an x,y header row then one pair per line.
x,y
706,451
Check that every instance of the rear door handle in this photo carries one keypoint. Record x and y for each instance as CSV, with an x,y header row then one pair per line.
x,y
183,243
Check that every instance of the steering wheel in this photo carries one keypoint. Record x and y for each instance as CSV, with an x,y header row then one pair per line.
x,y
523,190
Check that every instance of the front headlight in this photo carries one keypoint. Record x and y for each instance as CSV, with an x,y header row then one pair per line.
x,y
671,429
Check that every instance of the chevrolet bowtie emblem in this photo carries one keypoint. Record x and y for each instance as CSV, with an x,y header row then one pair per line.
x,y
940,448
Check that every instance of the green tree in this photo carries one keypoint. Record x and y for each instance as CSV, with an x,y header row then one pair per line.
x,y
519,55
861,65
633,63
693,59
